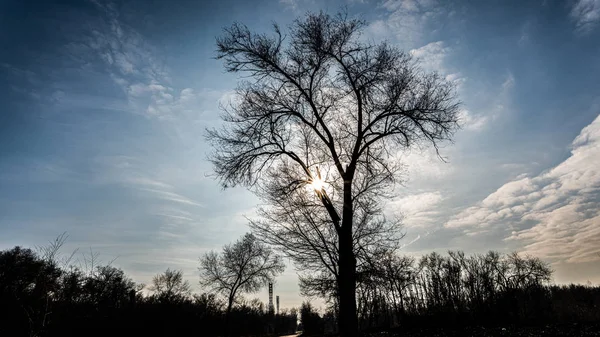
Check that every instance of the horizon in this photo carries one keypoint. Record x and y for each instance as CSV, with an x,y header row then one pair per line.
x,y
106,105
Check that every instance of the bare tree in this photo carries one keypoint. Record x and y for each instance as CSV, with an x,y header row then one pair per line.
x,y
170,286
52,251
322,98
244,267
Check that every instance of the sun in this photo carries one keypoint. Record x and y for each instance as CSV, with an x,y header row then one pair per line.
x,y
317,184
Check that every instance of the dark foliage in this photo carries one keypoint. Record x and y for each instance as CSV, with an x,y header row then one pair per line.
x,y
37,298
453,295
312,323
551,330
480,290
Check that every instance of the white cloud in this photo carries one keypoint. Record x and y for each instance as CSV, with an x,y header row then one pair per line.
x,y
157,87
186,94
123,63
406,21
418,210
555,214
289,4
137,89
424,165
171,196
508,83
500,104
472,122
586,14
431,56
132,64
525,35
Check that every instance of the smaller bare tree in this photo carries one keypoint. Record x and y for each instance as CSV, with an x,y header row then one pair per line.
x,y
170,286
244,267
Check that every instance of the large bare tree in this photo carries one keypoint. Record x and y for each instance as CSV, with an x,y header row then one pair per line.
x,y
323,109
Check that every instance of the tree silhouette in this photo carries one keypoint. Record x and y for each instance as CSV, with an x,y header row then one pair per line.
x,y
27,284
243,267
397,294
108,287
170,286
322,98
312,323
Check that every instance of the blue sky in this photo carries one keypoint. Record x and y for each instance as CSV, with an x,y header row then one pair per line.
x,y
104,106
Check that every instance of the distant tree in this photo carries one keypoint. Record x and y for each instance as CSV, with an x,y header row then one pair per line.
x,y
71,287
209,303
170,286
525,272
286,322
331,112
108,288
28,284
312,322
243,267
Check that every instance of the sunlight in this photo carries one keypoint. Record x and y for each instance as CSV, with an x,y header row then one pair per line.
x,y
317,184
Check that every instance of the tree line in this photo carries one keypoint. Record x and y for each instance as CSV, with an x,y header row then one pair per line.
x,y
43,294
458,290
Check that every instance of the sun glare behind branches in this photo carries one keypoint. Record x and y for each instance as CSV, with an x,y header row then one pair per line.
x,y
317,184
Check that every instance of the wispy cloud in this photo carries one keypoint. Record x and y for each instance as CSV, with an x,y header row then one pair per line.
x,y
171,196
136,67
586,15
525,34
289,4
406,21
434,57
424,164
418,210
500,104
472,122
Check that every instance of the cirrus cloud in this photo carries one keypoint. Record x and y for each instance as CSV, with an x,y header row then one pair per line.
x,y
586,14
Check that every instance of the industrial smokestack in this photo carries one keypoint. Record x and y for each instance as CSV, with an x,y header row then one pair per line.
x,y
271,297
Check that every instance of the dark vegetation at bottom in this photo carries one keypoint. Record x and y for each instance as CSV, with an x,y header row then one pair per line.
x,y
39,298
458,292
562,330
456,295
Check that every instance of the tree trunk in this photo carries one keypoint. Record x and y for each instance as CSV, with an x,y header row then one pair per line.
x,y
348,322
228,316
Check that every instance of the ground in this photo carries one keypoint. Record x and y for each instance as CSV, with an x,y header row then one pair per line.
x,y
574,330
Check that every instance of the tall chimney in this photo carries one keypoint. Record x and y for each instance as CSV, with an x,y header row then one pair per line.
x,y
271,297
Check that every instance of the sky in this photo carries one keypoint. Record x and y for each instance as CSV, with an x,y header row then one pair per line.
x,y
105,103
